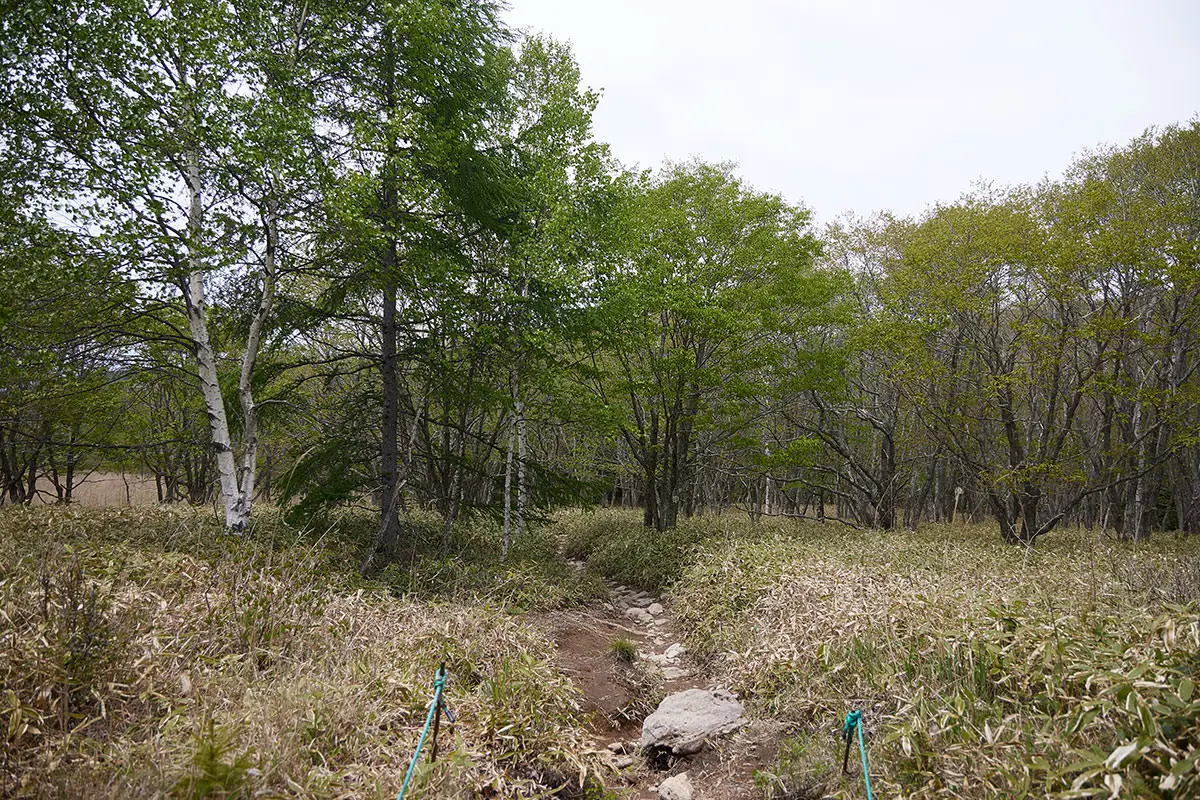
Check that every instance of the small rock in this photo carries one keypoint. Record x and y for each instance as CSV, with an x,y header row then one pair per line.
x,y
655,608
675,673
637,615
616,747
678,787
685,720
625,762
655,658
641,601
675,651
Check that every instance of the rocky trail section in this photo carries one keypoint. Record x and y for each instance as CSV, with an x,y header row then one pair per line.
x,y
664,730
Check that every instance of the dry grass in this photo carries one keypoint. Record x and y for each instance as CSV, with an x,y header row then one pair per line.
x,y
143,654
108,489
983,670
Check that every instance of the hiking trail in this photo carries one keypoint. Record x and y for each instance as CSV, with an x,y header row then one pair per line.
x,y
619,694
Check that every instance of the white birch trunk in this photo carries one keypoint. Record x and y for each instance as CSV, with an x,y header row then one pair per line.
x,y
769,481
193,294
237,483
248,473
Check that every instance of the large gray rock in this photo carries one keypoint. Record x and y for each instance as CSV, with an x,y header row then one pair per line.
x,y
685,720
678,787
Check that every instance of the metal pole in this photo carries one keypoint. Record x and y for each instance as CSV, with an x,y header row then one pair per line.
x,y
845,755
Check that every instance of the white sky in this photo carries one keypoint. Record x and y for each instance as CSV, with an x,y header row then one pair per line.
x,y
865,105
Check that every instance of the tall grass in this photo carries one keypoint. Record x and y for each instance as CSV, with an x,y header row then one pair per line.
x,y
143,653
983,670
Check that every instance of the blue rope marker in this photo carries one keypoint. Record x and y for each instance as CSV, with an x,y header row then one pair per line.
x,y
854,720
433,718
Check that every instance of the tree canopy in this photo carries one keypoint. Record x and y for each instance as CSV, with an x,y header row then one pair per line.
x,y
333,253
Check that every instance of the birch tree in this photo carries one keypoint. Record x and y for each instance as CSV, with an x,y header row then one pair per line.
x,y
141,109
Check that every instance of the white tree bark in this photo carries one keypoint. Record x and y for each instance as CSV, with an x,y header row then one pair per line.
x,y
248,472
237,483
770,481
193,295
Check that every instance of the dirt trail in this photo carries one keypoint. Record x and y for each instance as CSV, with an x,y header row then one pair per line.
x,y
619,695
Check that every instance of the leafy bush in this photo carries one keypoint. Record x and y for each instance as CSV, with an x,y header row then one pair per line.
x,y
533,577
60,649
617,545
216,770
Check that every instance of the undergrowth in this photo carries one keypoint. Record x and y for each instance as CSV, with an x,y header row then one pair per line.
x,y
533,578
144,653
615,544
983,670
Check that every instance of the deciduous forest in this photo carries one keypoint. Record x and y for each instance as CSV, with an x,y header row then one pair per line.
x,y
418,372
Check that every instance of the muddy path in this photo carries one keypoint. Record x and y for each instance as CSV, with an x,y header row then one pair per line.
x,y
619,692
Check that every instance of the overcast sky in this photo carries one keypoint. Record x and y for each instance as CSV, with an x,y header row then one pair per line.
x,y
864,105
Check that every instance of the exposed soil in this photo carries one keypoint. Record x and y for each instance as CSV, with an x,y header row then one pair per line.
x,y
620,695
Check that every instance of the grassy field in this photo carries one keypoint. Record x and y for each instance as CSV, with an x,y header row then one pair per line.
x,y
108,489
982,670
143,654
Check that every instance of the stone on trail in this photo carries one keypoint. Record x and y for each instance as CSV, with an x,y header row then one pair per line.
x,y
685,720
678,787
637,615
655,608
675,673
674,651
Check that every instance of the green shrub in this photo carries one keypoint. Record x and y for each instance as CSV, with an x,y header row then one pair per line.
x,y
216,770
615,544
625,650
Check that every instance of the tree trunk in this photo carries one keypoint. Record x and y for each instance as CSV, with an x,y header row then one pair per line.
x,y
210,387
248,473
522,487
389,474
506,539
885,510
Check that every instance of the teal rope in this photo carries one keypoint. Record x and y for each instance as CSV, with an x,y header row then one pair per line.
x,y
854,720
439,683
